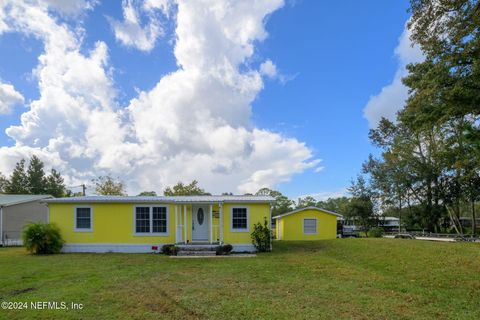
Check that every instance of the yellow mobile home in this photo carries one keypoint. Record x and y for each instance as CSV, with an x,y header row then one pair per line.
x,y
310,223
138,224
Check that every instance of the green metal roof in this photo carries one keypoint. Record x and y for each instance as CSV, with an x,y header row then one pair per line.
x,y
12,199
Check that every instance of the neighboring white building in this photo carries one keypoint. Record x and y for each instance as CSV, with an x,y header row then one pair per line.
x,y
16,210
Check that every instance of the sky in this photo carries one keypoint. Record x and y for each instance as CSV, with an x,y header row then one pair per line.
x,y
238,95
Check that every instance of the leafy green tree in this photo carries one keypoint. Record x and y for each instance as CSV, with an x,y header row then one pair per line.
x,y
308,201
360,209
35,176
54,185
3,183
17,183
148,194
338,205
181,189
108,186
444,92
281,205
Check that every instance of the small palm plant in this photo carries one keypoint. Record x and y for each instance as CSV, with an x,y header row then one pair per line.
x,y
42,238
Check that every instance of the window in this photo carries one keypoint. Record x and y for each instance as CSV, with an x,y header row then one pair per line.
x,y
142,220
309,226
150,220
239,219
83,219
159,220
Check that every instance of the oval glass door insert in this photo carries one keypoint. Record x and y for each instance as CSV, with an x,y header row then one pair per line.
x,y
200,216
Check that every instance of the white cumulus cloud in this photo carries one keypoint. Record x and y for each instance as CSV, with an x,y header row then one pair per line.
x,y
391,97
9,97
194,124
131,32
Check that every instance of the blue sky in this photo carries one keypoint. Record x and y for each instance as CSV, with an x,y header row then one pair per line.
x,y
330,59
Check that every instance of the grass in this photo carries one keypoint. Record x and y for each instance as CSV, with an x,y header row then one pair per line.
x,y
334,279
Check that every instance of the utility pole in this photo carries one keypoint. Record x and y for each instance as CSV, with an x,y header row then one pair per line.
x,y
84,188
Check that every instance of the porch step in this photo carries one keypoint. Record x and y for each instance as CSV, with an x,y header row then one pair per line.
x,y
197,247
197,253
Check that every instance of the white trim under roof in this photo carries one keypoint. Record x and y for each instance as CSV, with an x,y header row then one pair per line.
x,y
307,208
207,199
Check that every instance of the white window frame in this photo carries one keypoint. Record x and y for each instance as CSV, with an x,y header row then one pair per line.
x,y
231,219
316,226
150,214
75,219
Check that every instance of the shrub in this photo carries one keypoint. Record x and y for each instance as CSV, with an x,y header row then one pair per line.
x,y
170,250
262,236
375,232
42,238
224,250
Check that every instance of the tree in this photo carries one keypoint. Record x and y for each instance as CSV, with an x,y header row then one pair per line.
x,y
35,176
361,207
281,205
54,185
308,201
338,205
444,92
180,189
108,186
17,183
3,183
147,194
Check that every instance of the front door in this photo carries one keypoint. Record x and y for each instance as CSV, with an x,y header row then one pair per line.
x,y
200,223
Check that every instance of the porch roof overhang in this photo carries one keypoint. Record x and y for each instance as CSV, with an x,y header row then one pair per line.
x,y
206,199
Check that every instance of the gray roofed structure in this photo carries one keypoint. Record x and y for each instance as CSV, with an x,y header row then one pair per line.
x,y
13,199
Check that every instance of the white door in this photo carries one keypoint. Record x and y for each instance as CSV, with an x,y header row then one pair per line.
x,y
200,223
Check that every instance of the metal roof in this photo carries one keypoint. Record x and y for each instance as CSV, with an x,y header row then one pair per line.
x,y
307,208
172,199
13,199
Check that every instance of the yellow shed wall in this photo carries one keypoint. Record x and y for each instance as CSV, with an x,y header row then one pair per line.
x,y
291,226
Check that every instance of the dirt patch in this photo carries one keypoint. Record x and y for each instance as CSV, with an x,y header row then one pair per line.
x,y
20,291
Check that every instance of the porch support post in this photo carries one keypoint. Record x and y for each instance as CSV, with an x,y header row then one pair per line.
x,y
176,224
185,222
211,224
220,214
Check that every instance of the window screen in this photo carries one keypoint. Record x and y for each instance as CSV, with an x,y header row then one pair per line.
x,y
159,219
84,218
142,219
239,218
309,226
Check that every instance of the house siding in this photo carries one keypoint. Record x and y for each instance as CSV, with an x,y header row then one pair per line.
x,y
291,226
111,223
113,226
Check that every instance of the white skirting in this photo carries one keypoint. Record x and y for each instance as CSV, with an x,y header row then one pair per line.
x,y
133,248
110,247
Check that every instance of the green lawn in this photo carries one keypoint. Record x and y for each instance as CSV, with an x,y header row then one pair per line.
x,y
343,278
